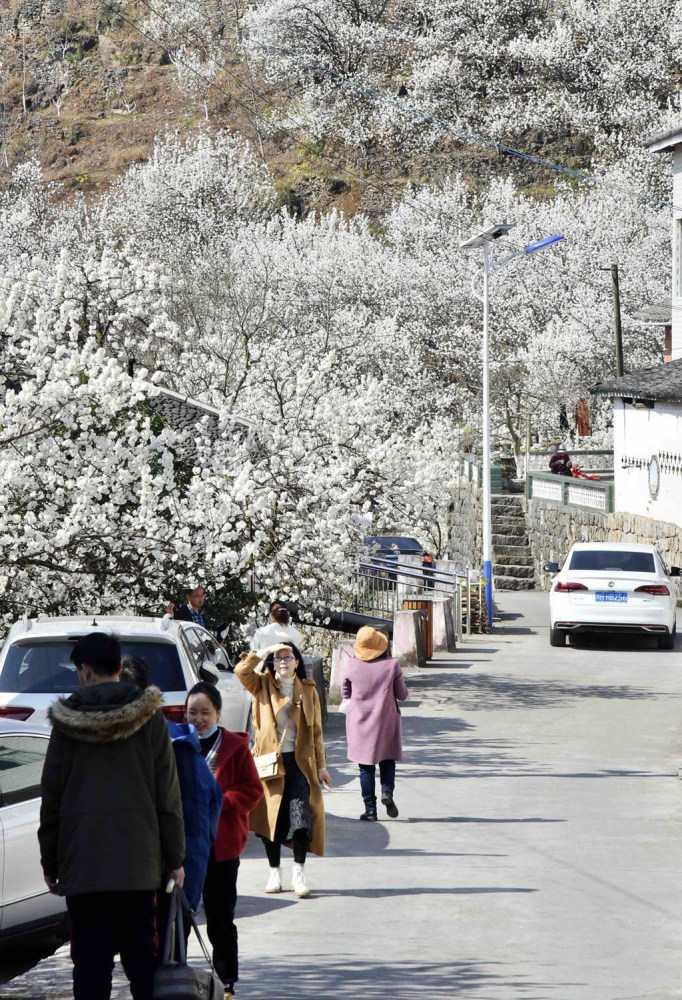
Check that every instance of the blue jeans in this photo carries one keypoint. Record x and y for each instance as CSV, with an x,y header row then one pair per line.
x,y
386,776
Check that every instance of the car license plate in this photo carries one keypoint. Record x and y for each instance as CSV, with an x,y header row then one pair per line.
x,y
611,597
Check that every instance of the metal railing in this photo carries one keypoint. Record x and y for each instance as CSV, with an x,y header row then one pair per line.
x,y
380,584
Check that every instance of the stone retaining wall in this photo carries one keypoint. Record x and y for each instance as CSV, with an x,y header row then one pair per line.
x,y
552,529
465,533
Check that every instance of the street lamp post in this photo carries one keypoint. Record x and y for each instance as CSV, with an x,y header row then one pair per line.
x,y
483,239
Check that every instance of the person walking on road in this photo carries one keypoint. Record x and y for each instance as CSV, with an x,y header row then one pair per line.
x,y
229,758
111,830
288,719
279,629
373,683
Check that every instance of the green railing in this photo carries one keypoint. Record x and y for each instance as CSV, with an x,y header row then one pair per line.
x,y
473,472
588,494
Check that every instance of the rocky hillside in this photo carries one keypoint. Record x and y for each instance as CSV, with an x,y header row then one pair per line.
x,y
85,85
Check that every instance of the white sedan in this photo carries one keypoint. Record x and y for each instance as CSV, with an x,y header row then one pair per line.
x,y
25,903
612,587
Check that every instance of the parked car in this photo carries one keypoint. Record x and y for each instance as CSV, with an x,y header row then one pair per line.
x,y
25,903
35,664
612,587
393,545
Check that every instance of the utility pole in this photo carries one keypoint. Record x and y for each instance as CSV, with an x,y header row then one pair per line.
x,y
616,320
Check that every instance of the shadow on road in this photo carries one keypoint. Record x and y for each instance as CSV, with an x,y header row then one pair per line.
x,y
302,978
614,643
486,692
462,890
482,819
17,957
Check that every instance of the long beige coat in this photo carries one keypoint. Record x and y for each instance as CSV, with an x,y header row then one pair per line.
x,y
268,699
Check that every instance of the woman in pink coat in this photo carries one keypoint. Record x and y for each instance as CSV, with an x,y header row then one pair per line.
x,y
373,684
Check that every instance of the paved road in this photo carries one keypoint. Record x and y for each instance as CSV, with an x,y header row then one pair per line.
x,y
538,853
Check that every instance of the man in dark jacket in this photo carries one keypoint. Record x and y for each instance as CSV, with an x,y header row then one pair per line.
x,y
193,609
111,829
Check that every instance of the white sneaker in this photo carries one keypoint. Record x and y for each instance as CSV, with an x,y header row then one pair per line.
x,y
274,882
298,881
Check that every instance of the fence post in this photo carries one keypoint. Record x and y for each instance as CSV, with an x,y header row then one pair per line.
x,y
468,601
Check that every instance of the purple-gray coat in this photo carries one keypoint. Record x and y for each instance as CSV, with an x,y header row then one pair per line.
x,y
373,727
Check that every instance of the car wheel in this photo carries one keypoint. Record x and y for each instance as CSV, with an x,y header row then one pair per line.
x,y
668,641
557,637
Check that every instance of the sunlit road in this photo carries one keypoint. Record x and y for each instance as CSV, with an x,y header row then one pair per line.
x,y
538,852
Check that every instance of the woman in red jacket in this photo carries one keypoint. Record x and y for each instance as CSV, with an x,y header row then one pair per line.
x,y
229,758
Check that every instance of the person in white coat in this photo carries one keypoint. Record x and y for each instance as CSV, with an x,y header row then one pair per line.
x,y
278,630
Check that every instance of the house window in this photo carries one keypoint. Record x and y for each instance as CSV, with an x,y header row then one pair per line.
x,y
677,276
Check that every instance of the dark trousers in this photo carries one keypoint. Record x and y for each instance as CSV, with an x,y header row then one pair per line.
x,y
104,924
367,779
299,843
220,900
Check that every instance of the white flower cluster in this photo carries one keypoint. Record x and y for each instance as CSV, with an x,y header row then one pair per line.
x,y
535,69
354,356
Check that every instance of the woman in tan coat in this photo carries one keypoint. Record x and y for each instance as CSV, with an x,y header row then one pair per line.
x,y
286,715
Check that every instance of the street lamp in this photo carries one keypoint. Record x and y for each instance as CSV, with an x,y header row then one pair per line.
x,y
482,240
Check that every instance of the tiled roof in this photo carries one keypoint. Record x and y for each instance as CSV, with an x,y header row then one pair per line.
x,y
183,413
662,141
663,382
659,313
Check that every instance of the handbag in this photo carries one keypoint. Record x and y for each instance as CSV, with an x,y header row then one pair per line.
x,y
175,978
267,764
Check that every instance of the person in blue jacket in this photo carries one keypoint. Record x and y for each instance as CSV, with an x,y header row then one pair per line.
x,y
202,802
202,797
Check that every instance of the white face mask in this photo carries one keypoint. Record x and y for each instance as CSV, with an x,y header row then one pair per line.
x,y
211,731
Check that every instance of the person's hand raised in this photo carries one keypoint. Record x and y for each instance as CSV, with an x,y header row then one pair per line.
x,y
266,650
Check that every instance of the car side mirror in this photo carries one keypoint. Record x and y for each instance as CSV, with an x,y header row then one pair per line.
x,y
220,659
552,567
209,672
675,571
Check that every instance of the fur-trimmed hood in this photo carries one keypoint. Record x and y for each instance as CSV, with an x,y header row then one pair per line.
x,y
105,713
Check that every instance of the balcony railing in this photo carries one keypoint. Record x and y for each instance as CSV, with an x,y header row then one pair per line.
x,y
590,494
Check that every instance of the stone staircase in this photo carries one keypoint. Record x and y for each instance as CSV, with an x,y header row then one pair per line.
x,y
512,557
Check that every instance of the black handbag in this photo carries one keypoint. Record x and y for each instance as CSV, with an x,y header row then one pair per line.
x,y
175,979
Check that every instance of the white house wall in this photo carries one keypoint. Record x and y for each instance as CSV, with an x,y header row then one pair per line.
x,y
677,255
639,434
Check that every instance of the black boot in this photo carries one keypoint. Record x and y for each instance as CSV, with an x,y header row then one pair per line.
x,y
369,815
391,807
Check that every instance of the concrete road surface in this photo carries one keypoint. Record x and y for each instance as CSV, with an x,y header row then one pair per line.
x,y
538,852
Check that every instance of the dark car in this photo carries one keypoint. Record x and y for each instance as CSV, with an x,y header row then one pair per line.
x,y
394,545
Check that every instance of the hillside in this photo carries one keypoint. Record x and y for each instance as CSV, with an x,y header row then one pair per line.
x,y
85,87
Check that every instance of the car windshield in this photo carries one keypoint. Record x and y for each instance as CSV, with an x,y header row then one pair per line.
x,y
613,561
46,668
